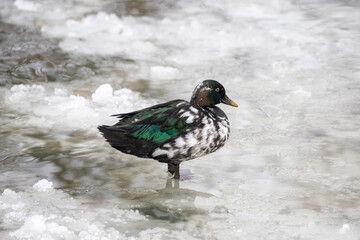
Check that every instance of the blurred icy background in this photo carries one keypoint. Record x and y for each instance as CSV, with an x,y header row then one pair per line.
x,y
291,169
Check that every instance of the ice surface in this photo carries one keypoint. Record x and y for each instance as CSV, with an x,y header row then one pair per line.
x,y
57,108
103,34
26,5
289,171
38,214
164,73
29,13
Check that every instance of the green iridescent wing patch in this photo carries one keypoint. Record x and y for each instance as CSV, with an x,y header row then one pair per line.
x,y
156,124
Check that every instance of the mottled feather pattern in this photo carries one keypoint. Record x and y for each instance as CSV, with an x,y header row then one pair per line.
x,y
210,134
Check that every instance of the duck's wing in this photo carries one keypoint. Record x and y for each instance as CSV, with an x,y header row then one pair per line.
x,y
140,132
128,118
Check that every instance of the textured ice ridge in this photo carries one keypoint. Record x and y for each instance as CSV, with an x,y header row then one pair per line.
x,y
46,213
57,108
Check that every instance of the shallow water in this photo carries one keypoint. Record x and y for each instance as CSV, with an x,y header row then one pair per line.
x,y
289,171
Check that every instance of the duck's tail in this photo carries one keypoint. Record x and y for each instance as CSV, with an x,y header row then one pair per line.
x,y
119,139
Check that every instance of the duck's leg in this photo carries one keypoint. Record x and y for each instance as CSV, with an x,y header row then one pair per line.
x,y
176,171
171,168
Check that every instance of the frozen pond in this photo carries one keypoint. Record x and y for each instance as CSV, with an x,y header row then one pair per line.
x,y
291,169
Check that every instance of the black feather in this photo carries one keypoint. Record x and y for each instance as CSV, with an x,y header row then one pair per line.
x,y
125,143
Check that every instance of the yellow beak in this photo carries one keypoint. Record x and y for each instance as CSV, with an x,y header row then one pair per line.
x,y
228,101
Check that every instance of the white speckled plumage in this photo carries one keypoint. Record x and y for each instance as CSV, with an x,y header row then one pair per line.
x,y
212,133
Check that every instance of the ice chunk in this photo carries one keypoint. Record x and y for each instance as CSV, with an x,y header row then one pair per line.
x,y
103,93
32,227
49,107
57,215
37,227
10,199
10,194
20,93
43,186
93,24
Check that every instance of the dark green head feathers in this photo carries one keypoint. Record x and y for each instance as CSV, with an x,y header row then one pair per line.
x,y
209,93
174,131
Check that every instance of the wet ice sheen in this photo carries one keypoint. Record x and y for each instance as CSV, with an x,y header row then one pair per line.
x,y
290,169
56,215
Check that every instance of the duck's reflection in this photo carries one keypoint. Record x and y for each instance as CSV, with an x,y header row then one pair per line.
x,y
128,182
172,183
171,203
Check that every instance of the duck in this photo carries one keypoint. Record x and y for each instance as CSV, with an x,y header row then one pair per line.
x,y
174,131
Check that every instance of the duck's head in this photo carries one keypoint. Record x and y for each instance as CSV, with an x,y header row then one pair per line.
x,y
209,93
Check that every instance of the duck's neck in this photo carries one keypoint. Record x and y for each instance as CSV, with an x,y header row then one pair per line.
x,y
201,99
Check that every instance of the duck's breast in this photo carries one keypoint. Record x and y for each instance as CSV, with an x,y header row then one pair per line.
x,y
211,133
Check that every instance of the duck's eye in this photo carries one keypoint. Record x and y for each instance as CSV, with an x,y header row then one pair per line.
x,y
217,89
